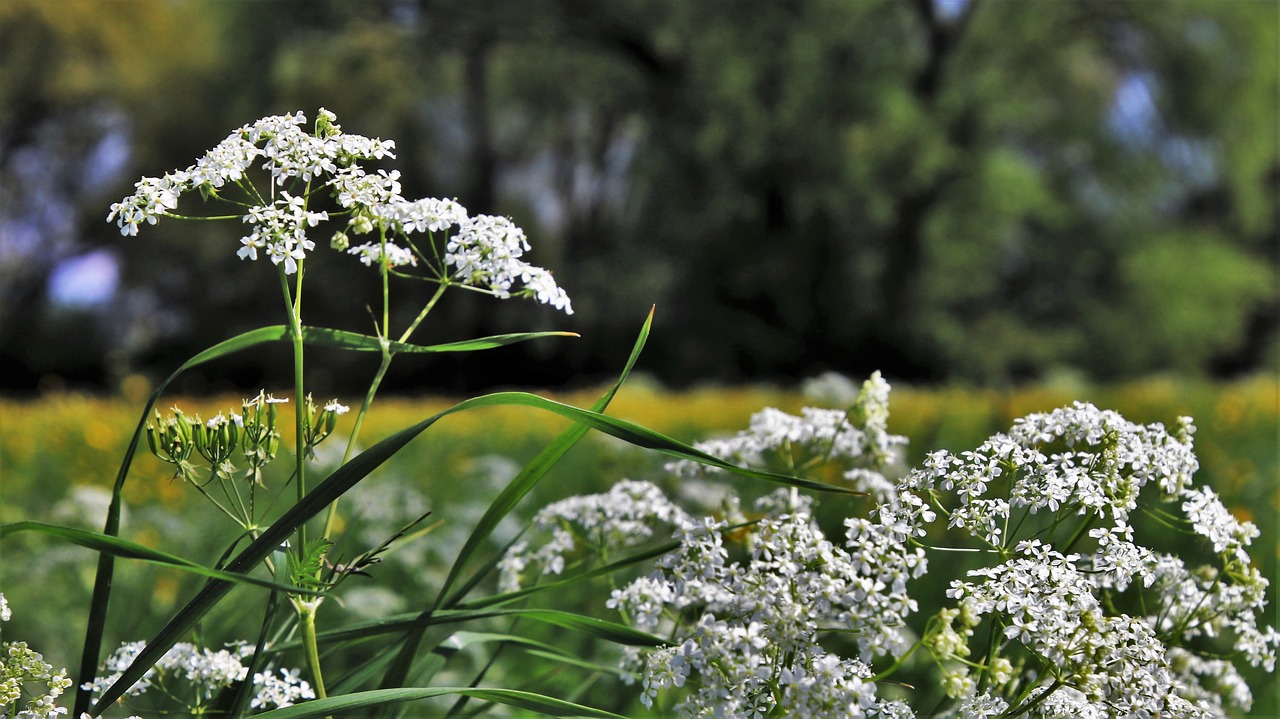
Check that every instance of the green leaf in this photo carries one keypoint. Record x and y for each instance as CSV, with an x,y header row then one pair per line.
x,y
341,339
461,640
598,628
130,550
305,571
563,658
380,697
505,502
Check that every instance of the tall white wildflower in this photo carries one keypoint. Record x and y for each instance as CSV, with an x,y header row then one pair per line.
x,y
754,646
483,251
1054,499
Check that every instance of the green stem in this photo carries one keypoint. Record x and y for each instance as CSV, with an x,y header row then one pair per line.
x,y
896,664
311,650
1028,706
331,515
423,314
293,302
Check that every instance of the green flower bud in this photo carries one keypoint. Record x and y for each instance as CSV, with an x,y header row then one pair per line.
x,y
361,225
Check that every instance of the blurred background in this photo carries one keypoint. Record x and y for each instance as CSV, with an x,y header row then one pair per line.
x,y
946,190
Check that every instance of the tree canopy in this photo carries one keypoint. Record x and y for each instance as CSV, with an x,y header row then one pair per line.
x,y
987,191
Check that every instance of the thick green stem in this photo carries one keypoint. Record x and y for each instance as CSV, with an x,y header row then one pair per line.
x,y
294,305
311,650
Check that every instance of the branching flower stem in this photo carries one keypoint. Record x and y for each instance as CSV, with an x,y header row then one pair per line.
x,y
383,366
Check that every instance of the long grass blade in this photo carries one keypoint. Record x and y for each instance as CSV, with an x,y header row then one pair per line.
x,y
598,628
341,339
506,501
529,701
130,550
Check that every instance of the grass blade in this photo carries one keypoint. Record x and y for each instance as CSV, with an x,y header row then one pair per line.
x,y
381,697
506,501
118,547
341,339
598,628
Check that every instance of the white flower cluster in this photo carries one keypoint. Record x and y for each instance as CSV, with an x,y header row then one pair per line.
x,y
625,516
754,646
283,691
1089,466
20,668
288,152
1071,617
280,229
204,671
483,251
857,438
486,253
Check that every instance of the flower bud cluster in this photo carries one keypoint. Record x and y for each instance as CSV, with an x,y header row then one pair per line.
x,y
319,422
251,431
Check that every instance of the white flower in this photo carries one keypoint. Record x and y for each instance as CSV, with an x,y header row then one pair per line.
x,y
204,671
758,623
284,691
153,198
281,230
24,671
1212,520
371,254
486,253
625,516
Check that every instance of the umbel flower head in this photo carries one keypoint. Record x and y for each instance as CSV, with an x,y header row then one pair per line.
x,y
482,252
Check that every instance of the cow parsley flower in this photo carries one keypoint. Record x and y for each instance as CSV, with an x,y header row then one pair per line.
x,y
623,517
24,672
857,438
283,691
371,254
281,230
483,252
486,253
153,198
203,672
753,647
1065,606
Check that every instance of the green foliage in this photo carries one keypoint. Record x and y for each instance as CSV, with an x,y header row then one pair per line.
x,y
937,194
1189,288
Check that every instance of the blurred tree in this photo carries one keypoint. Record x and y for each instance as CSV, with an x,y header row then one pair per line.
x,y
940,189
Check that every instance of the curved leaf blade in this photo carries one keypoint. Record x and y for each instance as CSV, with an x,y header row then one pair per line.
x,y
380,697
354,341
118,547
